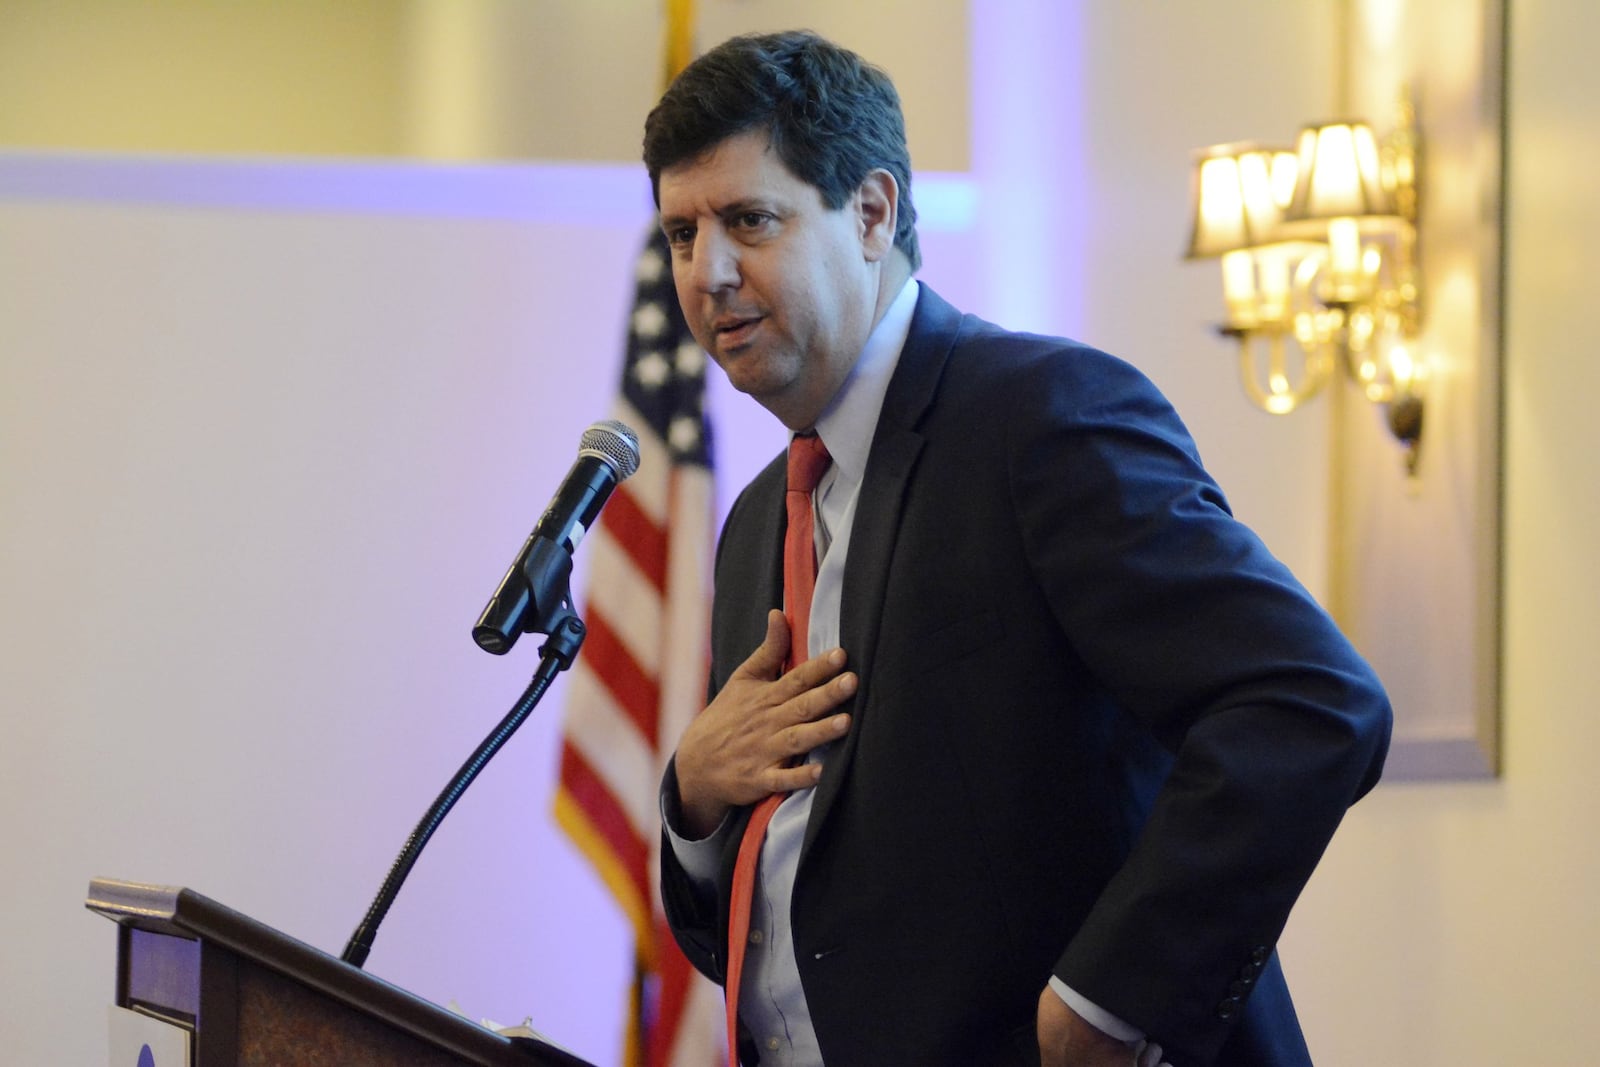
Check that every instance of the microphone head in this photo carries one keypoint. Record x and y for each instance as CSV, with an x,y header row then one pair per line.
x,y
615,443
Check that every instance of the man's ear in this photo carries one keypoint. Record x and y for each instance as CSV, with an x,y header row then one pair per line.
x,y
878,204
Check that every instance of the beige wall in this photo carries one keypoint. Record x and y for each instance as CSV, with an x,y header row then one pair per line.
x,y
431,79
1450,924
298,77
1457,924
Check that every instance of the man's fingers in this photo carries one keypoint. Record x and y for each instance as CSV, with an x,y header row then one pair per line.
x,y
810,675
766,662
790,779
813,703
801,739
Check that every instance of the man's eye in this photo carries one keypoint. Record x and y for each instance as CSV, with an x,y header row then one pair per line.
x,y
753,220
680,236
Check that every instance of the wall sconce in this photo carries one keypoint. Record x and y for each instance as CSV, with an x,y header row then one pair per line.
x,y
1319,251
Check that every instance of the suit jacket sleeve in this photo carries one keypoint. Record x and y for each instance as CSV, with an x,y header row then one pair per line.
x,y
1275,723
698,920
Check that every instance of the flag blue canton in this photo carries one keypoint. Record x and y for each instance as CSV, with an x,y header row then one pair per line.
x,y
664,378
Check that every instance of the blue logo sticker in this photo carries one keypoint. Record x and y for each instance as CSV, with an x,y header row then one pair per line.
x,y
146,1057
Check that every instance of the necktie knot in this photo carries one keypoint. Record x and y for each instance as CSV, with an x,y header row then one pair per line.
x,y
808,462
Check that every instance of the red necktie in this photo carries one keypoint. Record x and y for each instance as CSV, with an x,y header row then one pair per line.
x,y
808,461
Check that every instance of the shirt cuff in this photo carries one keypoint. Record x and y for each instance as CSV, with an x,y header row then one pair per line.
x,y
702,857
1094,1014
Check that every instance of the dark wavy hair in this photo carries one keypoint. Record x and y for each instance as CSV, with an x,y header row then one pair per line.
x,y
832,117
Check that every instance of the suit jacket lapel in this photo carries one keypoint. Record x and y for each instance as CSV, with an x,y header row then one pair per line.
x,y
896,446
751,562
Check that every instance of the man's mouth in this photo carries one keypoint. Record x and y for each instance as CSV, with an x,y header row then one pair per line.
x,y
735,331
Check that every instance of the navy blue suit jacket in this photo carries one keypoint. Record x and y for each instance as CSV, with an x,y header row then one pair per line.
x,y
1100,733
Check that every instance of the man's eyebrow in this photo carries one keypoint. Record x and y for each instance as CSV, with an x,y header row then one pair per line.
x,y
754,203
727,211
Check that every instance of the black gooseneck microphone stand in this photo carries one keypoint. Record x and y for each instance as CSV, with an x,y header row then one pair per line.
x,y
547,569
534,597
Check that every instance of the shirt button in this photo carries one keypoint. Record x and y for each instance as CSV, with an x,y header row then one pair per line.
x,y
772,1044
755,937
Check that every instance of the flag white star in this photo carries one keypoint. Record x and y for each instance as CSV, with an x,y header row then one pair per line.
x,y
649,267
684,433
649,320
652,370
691,359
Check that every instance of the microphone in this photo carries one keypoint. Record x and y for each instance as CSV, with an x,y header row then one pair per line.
x,y
535,587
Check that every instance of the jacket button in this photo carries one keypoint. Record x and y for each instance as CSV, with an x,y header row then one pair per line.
x,y
1228,1008
1259,954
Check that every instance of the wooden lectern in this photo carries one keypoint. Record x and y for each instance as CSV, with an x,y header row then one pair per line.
x,y
250,995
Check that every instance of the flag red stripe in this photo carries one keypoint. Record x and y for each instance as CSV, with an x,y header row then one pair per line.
x,y
638,535
630,685
675,974
586,788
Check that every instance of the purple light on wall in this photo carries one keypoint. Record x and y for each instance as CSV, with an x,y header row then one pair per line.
x,y
591,194
1029,160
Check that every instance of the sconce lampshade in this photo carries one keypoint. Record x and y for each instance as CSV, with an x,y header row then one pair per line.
x,y
1338,174
1317,255
1239,195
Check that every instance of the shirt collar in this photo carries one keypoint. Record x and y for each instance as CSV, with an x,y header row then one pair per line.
x,y
851,419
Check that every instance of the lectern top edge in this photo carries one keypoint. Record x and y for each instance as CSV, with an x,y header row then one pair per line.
x,y
132,900
183,913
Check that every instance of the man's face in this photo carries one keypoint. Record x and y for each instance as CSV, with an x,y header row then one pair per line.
x,y
777,288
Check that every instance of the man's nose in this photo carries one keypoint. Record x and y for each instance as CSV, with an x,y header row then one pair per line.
x,y
716,261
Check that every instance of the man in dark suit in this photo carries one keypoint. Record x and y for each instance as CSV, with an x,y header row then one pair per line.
x,y
1066,741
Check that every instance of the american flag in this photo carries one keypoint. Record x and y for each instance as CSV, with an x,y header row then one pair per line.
x,y
642,675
